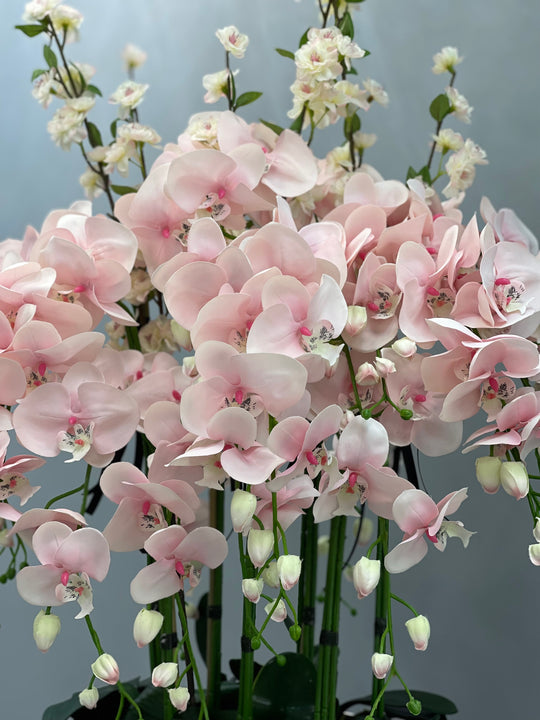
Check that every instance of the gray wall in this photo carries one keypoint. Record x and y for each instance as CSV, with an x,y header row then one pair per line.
x,y
481,601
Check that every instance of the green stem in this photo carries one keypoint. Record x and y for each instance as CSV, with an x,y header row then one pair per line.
x,y
213,647
307,589
166,608
381,610
334,648
189,652
400,600
245,699
85,488
63,495
352,375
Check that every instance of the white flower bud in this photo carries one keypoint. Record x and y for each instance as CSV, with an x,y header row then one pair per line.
x,y
404,347
46,629
488,473
133,56
356,319
89,698
366,530
270,575
259,546
279,614
384,366
323,545
164,674
534,553
515,479
243,506
419,631
192,611
188,366
179,698
146,626
106,668
252,589
366,575
536,531
289,567
381,664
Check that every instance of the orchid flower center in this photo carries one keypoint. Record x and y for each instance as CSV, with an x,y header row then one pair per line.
x,y
441,301
495,391
383,302
312,341
151,517
213,202
77,440
508,294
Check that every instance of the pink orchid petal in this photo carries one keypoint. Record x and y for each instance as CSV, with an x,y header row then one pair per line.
x,y
406,554
155,582
253,466
85,550
36,585
205,545
47,541
414,509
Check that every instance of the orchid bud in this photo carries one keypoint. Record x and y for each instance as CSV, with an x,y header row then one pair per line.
x,y
534,553
515,479
289,567
146,626
356,319
366,530
323,545
192,611
46,629
179,698
243,506
182,337
367,375
404,347
279,614
488,473
252,589
188,366
536,531
419,631
384,367
366,574
164,674
270,575
89,698
259,546
106,668
381,664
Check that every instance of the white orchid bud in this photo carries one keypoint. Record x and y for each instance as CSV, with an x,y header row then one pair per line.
x,y
384,367
89,698
367,375
106,668
536,531
419,631
252,589
366,575
323,545
488,473
366,531
404,347
146,626
192,611
279,614
515,479
356,319
243,506
46,629
179,698
381,664
270,575
164,674
289,568
259,546
188,366
534,553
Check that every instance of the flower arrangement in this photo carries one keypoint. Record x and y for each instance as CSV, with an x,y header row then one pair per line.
x,y
273,354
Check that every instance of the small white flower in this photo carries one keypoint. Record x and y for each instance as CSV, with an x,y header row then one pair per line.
x,y
460,105
138,133
363,140
376,92
233,40
91,183
216,85
38,9
66,19
128,95
448,140
133,57
446,60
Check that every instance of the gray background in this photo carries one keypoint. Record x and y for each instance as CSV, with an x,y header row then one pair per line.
x,y
481,602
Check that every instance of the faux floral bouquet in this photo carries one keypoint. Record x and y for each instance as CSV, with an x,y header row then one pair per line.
x,y
281,332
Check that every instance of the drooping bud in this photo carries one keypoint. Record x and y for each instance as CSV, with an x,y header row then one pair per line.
x,y
488,473
356,319
367,375
164,674
515,479
366,575
279,614
252,589
46,629
146,626
384,366
179,698
404,347
419,631
534,553
243,506
270,575
106,668
289,567
536,531
381,664
89,698
259,546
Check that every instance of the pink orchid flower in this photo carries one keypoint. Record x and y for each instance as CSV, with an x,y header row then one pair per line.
x,y
69,558
420,518
12,479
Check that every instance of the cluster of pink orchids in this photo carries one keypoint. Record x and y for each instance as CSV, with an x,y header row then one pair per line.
x,y
332,315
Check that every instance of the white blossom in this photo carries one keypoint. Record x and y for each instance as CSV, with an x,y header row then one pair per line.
x,y
448,140
133,57
446,60
216,85
233,40
128,95
460,105
376,92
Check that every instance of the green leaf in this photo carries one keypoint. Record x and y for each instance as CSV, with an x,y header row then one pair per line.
x,y
113,128
423,173
296,125
150,701
296,681
346,25
304,38
201,629
351,71
276,128
50,57
351,125
247,98
123,189
94,136
285,53
440,107
95,90
37,73
30,30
